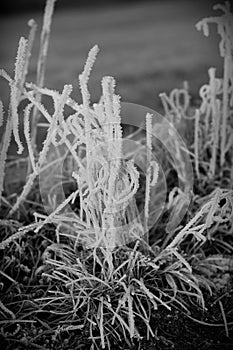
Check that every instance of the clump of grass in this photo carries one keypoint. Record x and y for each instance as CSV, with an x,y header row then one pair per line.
x,y
109,297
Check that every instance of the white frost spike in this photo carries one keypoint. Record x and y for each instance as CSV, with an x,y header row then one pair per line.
x,y
15,90
20,59
83,81
84,76
61,101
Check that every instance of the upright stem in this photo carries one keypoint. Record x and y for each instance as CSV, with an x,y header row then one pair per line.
x,y
224,107
41,64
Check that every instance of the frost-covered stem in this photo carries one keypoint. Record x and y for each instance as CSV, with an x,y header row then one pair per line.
x,y
4,149
78,179
24,193
7,311
216,132
215,122
224,107
196,142
18,235
13,118
49,218
41,64
83,81
213,206
148,172
16,87
27,112
108,85
3,152
108,91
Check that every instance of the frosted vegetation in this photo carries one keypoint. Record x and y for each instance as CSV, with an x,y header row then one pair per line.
x,y
117,277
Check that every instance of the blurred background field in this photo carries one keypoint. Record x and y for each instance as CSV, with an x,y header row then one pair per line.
x,y
149,46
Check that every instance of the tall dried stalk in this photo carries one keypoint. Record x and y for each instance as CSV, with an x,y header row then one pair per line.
x,y
41,63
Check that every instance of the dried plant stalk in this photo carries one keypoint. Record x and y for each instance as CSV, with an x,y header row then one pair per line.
x,y
41,63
